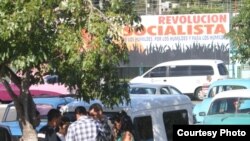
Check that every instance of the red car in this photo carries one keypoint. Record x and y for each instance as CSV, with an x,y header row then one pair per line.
x,y
36,90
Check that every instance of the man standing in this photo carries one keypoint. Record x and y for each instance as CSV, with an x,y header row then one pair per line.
x,y
104,132
48,132
83,129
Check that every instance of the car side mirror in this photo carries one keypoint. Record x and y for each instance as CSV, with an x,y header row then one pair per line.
x,y
202,114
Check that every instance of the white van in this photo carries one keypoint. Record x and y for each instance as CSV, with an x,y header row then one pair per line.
x,y
153,115
189,76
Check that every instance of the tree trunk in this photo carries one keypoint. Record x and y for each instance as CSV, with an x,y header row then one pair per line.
x,y
29,108
29,133
24,104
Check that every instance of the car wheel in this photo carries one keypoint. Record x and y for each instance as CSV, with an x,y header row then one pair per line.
x,y
199,95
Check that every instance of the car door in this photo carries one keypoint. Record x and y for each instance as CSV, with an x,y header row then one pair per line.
x,y
5,134
179,77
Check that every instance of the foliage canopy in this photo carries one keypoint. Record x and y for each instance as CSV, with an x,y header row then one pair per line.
x,y
240,34
80,42
48,36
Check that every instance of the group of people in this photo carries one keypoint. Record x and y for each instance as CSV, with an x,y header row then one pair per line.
x,y
91,125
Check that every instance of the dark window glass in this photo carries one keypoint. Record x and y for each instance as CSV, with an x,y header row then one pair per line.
x,y
165,90
4,134
175,90
157,72
140,90
219,107
230,105
202,70
70,115
179,71
217,89
142,133
222,69
179,117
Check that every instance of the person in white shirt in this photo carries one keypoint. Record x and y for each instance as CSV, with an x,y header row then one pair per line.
x,y
83,129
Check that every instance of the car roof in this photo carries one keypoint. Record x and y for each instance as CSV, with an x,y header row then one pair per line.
x,y
14,127
137,103
242,82
54,101
51,88
36,90
191,62
147,85
244,93
155,101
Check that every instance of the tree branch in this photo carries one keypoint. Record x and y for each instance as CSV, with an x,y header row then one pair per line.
x,y
103,16
12,75
9,89
17,101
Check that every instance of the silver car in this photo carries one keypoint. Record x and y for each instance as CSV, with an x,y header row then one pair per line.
x,y
145,88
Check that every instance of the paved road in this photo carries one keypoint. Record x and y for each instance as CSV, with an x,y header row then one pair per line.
x,y
196,102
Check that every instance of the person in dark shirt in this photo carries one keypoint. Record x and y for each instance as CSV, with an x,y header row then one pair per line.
x,y
48,132
104,132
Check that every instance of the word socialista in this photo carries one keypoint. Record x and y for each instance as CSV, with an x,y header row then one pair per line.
x,y
208,24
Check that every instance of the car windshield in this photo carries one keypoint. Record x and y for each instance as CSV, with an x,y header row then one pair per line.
x,y
230,105
43,109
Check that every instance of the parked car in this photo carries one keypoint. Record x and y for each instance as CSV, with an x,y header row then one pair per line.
x,y
189,76
5,134
229,107
215,88
35,90
10,122
158,113
144,88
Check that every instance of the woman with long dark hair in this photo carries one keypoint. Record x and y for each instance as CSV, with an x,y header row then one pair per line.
x,y
123,127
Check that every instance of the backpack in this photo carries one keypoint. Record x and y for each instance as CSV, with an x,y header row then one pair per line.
x,y
104,132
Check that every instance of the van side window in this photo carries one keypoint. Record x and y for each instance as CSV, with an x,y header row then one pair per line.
x,y
179,71
173,118
142,133
157,72
202,70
